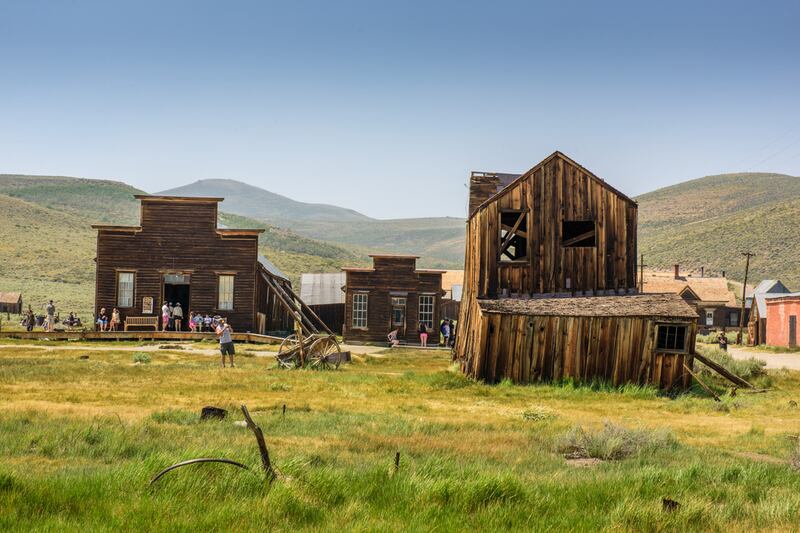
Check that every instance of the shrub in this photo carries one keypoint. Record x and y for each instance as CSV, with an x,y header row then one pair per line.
x,y
141,357
712,337
744,368
613,442
537,414
794,457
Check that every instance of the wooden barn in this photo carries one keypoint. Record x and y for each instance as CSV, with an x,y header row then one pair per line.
x,y
178,254
11,302
393,294
550,285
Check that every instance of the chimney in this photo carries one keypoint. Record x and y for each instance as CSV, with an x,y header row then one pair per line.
x,y
702,272
677,271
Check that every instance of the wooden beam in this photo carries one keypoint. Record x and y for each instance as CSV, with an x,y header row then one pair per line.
x,y
511,234
579,238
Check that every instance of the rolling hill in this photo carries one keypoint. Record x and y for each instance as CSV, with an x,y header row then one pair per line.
x,y
710,221
47,244
439,241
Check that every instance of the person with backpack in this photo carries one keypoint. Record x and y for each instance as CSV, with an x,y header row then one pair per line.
x,y
445,331
423,335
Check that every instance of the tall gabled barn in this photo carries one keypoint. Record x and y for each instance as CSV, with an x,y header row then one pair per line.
x,y
550,285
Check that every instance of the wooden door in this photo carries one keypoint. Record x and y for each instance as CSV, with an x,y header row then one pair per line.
x,y
793,330
398,317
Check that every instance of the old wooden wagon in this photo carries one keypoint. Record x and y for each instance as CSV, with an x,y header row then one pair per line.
x,y
550,285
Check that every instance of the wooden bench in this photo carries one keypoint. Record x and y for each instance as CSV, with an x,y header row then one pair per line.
x,y
142,321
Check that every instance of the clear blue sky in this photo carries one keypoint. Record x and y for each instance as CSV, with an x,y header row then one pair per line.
x,y
385,107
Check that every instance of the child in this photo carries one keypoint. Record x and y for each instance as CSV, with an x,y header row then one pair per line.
x,y
114,319
192,324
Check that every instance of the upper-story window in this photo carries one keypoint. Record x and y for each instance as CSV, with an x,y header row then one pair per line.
x,y
578,234
513,236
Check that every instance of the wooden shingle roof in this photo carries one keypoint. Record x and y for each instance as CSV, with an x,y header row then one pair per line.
x,y
10,297
633,305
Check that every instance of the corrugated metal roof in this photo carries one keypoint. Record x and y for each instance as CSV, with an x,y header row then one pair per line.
x,y
322,288
271,268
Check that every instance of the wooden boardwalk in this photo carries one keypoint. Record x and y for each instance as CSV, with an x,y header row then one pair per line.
x,y
184,336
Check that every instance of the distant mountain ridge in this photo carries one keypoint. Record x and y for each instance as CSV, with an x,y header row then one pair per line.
x,y
248,200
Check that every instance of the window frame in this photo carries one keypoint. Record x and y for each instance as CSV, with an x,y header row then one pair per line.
x,y
432,310
220,307
356,312
682,325
501,238
133,289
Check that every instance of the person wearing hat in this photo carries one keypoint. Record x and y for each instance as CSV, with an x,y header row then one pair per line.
x,y
177,316
224,331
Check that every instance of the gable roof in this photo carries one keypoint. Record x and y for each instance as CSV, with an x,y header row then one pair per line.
x,y
543,162
707,289
10,297
772,286
322,288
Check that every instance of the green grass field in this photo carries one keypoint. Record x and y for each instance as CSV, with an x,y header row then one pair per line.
x,y
81,439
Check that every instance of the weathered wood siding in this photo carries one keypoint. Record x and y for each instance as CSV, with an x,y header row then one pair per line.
x,y
178,237
616,350
391,276
554,191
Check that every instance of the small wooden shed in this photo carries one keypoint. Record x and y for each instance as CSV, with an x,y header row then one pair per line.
x,y
11,302
550,288
393,294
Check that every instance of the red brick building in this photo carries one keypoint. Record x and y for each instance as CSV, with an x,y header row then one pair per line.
x,y
782,313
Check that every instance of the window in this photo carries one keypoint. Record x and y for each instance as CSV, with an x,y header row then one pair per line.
x,y
709,318
125,289
426,310
360,310
398,311
578,234
671,338
513,236
225,292
733,318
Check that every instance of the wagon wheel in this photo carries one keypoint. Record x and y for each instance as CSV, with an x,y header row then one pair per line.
x,y
324,353
287,353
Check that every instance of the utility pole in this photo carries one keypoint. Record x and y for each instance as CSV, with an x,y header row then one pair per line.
x,y
641,273
748,255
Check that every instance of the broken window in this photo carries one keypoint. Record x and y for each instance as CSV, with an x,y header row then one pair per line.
x,y
671,338
578,233
513,235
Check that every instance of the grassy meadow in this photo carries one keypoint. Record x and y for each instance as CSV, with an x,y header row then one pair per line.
x,y
82,437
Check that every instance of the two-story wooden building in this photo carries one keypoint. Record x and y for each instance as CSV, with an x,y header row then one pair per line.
x,y
393,294
550,285
178,254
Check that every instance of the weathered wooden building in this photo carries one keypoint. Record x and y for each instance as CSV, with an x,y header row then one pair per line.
x,y
393,294
178,254
11,302
550,285
710,296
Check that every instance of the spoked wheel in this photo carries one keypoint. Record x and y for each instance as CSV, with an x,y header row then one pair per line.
x,y
287,353
325,354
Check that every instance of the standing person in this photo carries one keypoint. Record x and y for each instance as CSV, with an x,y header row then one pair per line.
x,y
452,334
423,335
445,330
177,316
164,317
51,316
171,315
722,338
114,320
192,324
225,341
31,319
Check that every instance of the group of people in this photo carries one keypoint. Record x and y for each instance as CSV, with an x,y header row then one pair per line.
x,y
447,329
172,317
104,323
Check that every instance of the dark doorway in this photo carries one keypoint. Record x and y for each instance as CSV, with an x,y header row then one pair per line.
x,y
793,330
177,289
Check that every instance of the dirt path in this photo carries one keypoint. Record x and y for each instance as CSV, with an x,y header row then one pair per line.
x,y
773,360
186,348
